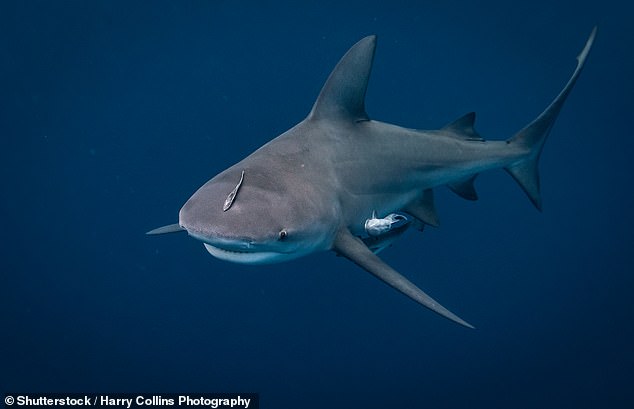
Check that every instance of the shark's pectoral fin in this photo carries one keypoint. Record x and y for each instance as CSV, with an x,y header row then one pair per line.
x,y
356,251
170,228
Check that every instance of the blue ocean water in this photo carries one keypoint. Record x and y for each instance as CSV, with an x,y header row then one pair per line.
x,y
113,113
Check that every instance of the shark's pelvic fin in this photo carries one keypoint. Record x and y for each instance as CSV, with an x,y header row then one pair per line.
x,y
533,136
343,94
463,127
424,209
356,251
170,228
465,188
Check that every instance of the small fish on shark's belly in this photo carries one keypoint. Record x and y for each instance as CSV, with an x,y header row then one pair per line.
x,y
342,182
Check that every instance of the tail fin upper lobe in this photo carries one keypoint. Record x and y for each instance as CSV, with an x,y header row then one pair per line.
x,y
533,136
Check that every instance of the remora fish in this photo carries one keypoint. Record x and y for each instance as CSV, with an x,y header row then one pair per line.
x,y
320,184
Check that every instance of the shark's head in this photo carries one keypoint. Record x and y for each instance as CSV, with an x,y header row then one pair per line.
x,y
251,217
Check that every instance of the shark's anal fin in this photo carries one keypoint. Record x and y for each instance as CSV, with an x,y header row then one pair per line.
x,y
170,228
465,188
356,251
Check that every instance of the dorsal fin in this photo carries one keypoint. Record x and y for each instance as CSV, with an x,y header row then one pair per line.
x,y
464,127
343,94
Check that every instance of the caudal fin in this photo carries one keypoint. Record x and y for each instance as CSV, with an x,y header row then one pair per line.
x,y
533,136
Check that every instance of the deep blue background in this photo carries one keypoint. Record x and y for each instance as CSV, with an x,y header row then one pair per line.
x,y
113,113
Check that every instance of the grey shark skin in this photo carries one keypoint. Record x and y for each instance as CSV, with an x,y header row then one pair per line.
x,y
313,187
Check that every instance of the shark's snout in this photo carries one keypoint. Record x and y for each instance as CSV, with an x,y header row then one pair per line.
x,y
245,250
214,234
231,244
243,231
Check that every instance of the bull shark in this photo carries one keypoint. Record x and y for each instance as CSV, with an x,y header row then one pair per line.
x,y
341,181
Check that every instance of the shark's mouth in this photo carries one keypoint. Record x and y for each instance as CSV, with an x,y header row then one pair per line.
x,y
246,256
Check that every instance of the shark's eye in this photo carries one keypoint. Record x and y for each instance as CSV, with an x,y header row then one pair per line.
x,y
283,234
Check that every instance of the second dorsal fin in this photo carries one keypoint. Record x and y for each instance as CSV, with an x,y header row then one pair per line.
x,y
463,127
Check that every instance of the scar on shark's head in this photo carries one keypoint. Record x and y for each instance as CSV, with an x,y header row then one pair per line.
x,y
232,196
